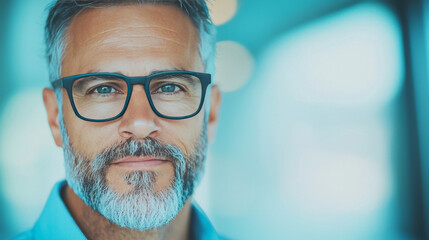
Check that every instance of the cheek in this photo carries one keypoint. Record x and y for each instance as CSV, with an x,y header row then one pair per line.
x,y
184,133
87,138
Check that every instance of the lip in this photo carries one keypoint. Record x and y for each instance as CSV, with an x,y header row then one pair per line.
x,y
144,162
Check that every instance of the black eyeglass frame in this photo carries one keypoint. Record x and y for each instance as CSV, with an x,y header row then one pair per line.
x,y
67,84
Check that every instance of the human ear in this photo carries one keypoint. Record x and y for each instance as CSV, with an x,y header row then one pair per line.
x,y
51,106
215,99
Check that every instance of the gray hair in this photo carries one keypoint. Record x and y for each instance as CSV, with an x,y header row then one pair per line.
x,y
62,12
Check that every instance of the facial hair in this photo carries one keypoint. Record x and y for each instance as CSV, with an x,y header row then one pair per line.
x,y
142,207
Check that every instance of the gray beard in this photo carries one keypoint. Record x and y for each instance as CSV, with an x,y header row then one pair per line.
x,y
142,207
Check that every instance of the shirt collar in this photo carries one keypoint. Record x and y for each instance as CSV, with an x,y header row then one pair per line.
x,y
55,222
201,227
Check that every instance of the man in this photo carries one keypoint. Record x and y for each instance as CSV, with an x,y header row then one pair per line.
x,y
132,105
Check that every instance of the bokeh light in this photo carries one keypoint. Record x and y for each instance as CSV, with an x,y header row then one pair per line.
x,y
361,67
325,87
345,175
221,11
234,66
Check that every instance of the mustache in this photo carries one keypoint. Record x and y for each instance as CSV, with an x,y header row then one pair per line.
x,y
138,148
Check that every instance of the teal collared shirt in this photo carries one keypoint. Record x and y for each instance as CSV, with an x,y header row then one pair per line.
x,y
55,222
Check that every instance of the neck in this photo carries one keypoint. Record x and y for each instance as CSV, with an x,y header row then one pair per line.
x,y
95,226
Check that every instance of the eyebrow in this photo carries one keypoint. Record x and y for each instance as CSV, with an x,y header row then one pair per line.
x,y
151,73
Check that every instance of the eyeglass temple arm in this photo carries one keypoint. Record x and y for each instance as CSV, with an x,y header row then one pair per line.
x,y
57,83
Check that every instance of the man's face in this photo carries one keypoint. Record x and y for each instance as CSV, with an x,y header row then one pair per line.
x,y
134,40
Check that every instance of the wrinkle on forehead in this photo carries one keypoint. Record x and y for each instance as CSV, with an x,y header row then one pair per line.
x,y
129,36
130,20
130,31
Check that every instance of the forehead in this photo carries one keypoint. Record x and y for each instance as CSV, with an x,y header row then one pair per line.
x,y
137,31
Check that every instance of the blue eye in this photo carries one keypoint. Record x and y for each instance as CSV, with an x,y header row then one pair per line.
x,y
169,88
104,90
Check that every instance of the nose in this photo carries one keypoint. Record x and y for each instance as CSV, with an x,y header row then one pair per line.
x,y
139,121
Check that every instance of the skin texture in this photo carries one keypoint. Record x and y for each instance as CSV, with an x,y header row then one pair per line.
x,y
134,40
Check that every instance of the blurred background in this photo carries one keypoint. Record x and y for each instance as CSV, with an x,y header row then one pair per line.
x,y
324,121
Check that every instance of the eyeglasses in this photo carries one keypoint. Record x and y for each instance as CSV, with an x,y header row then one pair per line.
x,y
102,97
